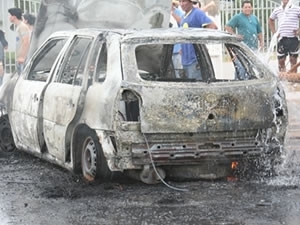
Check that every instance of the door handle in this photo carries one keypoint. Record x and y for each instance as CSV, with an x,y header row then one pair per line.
x,y
35,97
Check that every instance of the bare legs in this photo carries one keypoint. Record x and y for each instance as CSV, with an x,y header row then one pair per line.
x,y
282,67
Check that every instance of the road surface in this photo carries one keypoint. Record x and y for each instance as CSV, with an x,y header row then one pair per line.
x,y
34,192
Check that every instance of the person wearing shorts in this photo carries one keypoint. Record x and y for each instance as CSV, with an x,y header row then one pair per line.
x,y
287,46
288,30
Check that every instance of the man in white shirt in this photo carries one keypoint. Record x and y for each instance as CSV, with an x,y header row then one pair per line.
x,y
22,39
288,24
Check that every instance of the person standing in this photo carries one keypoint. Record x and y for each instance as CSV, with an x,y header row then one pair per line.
x,y
288,26
3,46
176,11
198,19
247,26
29,20
197,4
176,15
22,39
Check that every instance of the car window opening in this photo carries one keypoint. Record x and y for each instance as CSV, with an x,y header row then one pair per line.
x,y
216,62
98,62
75,62
41,66
101,68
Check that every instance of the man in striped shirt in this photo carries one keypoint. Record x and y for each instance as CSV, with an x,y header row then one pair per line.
x,y
288,24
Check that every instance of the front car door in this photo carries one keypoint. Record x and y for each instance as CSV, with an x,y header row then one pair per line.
x,y
26,113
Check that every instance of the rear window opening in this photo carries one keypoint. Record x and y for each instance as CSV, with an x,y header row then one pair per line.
x,y
215,62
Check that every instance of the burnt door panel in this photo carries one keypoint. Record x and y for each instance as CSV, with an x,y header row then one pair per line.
x,y
27,102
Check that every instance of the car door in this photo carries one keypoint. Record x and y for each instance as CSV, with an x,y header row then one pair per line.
x,y
62,96
25,116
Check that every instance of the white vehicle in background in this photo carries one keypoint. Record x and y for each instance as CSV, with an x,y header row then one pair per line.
x,y
99,101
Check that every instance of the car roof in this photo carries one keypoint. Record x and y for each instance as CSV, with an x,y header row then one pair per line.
x,y
200,33
165,33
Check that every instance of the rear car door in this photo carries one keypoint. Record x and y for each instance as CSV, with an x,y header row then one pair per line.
x,y
26,111
61,100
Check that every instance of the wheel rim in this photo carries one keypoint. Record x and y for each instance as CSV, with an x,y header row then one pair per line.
x,y
89,159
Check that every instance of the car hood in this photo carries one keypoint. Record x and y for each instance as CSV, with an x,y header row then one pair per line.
x,y
208,108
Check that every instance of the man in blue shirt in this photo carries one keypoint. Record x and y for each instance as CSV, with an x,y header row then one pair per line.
x,y
176,15
194,17
247,26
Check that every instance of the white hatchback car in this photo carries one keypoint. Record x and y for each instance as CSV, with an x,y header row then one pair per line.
x,y
99,101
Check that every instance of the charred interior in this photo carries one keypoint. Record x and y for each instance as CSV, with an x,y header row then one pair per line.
x,y
131,103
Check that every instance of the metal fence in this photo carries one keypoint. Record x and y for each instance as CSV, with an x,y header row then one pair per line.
x,y
28,6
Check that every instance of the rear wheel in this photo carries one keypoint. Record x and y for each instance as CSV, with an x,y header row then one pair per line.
x,y
7,143
93,161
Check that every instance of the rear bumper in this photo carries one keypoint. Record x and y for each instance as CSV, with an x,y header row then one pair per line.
x,y
193,149
189,153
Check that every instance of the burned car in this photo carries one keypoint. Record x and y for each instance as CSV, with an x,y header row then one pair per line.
x,y
101,101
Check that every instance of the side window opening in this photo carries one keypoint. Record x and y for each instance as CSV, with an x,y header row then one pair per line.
x,y
93,62
41,66
101,68
239,69
244,68
233,64
75,62
80,71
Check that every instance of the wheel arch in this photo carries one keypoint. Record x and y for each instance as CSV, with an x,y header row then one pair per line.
x,y
105,140
77,140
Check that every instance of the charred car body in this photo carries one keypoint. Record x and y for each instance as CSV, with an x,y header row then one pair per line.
x,y
99,101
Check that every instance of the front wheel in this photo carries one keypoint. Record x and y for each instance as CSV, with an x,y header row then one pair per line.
x,y
7,143
93,161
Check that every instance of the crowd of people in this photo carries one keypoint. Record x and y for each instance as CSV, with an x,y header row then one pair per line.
x,y
190,13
